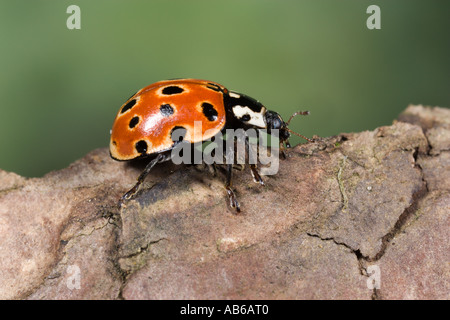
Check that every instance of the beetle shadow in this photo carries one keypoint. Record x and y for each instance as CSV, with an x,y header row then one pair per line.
x,y
159,171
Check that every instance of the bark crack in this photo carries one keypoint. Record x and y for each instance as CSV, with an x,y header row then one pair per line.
x,y
397,228
125,274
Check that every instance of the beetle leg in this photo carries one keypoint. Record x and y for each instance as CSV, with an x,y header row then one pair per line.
x,y
253,167
255,173
231,196
127,196
283,149
288,145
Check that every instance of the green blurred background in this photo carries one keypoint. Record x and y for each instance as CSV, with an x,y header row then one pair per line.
x,y
60,89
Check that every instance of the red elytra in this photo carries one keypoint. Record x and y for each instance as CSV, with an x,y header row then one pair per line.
x,y
150,115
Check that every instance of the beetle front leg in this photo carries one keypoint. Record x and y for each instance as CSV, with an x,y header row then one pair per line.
x,y
132,192
283,148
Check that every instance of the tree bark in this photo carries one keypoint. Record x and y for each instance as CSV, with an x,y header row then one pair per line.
x,y
356,216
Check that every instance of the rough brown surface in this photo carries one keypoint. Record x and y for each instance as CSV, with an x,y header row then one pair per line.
x,y
336,211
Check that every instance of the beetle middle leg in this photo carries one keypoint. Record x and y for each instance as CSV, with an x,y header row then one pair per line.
x,y
252,159
231,196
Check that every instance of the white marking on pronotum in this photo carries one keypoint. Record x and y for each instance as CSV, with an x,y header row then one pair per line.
x,y
256,118
234,95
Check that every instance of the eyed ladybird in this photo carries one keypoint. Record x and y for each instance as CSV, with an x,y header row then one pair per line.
x,y
145,123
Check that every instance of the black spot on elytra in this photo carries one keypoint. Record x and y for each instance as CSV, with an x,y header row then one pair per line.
x,y
141,146
166,110
172,90
245,117
114,143
209,111
178,133
133,122
128,106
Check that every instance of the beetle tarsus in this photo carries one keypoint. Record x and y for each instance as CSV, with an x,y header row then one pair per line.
x,y
256,176
232,198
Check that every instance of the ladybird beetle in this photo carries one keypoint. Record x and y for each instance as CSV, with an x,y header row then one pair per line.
x,y
145,123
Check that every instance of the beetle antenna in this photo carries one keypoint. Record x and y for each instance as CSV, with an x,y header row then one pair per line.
x,y
302,113
300,135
